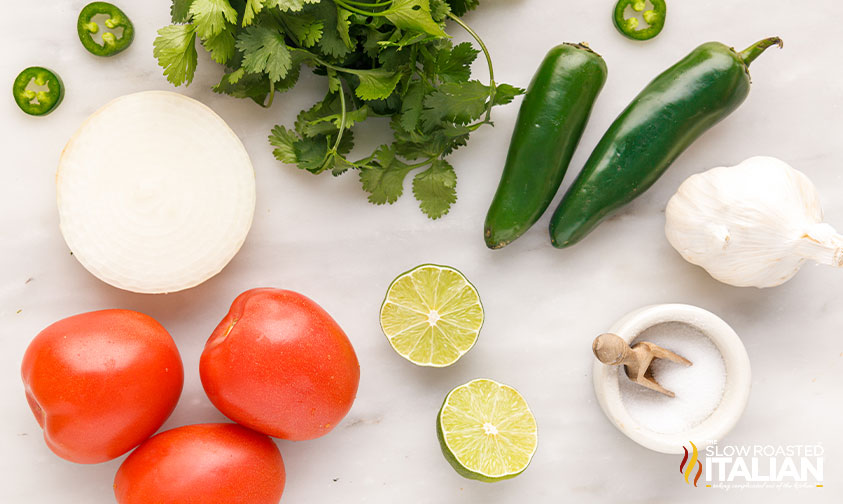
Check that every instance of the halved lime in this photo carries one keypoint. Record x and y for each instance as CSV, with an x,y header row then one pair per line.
x,y
486,431
431,315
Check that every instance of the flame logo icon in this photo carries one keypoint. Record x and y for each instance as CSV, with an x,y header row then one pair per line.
x,y
687,470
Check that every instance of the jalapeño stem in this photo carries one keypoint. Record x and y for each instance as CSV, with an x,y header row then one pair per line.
x,y
755,50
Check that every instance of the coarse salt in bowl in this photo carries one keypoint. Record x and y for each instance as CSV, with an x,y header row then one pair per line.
x,y
710,398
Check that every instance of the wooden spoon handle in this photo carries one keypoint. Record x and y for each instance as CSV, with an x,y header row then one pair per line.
x,y
611,349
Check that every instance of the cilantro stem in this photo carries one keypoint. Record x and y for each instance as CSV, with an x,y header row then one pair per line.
x,y
366,160
271,94
365,4
424,78
342,118
344,5
478,124
422,163
492,87
319,61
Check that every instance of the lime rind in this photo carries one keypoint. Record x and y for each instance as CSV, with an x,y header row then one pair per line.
x,y
471,450
431,315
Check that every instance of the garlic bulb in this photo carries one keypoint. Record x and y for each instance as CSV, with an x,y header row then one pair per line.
x,y
751,225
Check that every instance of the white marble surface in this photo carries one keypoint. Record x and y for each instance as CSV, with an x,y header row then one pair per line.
x,y
318,235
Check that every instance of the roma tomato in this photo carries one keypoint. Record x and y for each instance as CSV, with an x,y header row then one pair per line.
x,y
279,364
100,383
202,464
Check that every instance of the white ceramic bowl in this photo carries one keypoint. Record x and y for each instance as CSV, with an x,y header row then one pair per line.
x,y
735,393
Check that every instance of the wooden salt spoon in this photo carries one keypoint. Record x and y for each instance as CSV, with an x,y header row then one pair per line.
x,y
612,350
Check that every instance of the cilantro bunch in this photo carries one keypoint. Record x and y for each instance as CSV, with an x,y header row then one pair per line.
x,y
380,58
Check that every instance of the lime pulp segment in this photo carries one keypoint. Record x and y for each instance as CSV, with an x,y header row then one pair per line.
x,y
431,315
487,431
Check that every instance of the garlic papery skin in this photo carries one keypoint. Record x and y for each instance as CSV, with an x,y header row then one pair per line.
x,y
751,225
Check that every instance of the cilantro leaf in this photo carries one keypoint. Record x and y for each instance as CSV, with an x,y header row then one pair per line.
x,y
439,10
452,137
372,42
291,5
256,86
239,84
384,179
252,9
308,125
221,46
338,165
411,107
175,49
394,59
407,39
289,81
331,43
318,119
460,103
375,84
264,50
343,26
235,76
284,142
396,62
353,117
327,118
454,65
504,93
414,144
334,82
311,153
414,15
460,7
305,29
210,16
346,144
390,57
180,11
436,188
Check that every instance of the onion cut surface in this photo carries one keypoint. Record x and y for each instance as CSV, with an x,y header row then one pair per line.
x,y
155,193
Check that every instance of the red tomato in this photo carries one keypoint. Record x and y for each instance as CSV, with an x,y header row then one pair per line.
x,y
202,464
100,383
279,364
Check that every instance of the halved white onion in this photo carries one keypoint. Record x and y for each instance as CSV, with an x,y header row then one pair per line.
x,y
155,193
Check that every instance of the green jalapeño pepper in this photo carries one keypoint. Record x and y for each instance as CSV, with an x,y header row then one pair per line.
x,y
113,41
549,126
661,122
38,91
629,26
